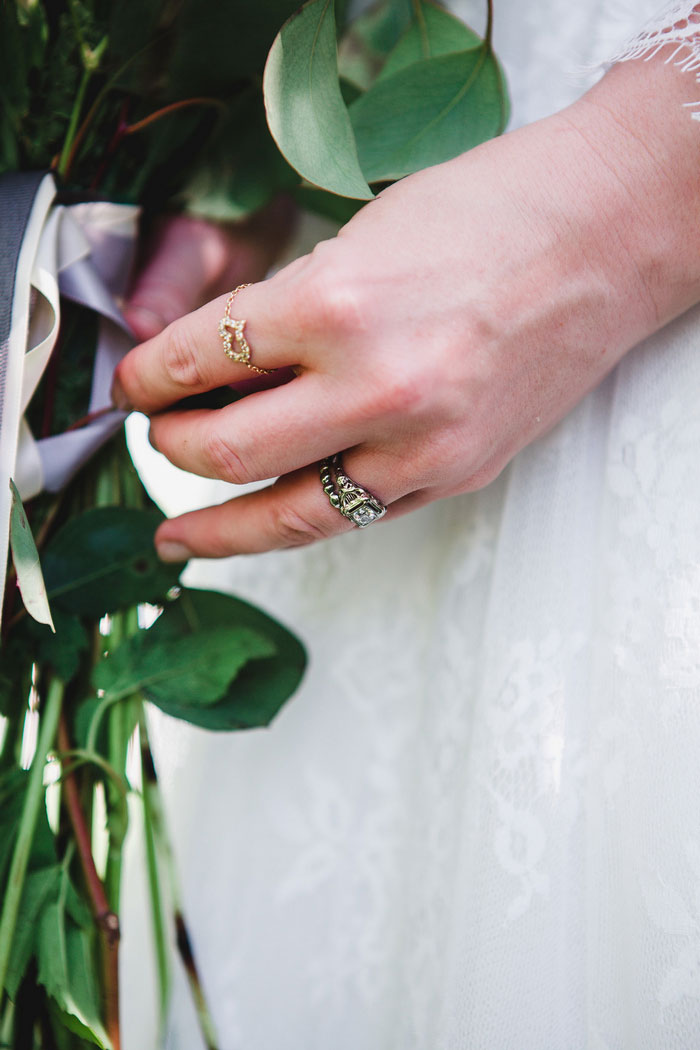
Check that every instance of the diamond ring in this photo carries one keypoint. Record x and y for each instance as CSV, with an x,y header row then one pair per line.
x,y
355,503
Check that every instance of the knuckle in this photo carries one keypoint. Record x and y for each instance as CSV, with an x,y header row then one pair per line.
x,y
225,461
182,360
294,529
337,306
400,393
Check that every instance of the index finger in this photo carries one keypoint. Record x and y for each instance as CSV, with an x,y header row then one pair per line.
x,y
188,356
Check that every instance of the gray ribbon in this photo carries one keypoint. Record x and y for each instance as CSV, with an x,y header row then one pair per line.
x,y
17,192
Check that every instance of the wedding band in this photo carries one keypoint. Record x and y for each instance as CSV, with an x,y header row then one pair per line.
x,y
230,329
355,503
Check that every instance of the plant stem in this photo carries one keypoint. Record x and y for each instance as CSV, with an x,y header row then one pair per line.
x,y
30,814
154,884
489,23
107,920
91,61
73,124
152,801
173,107
7,1024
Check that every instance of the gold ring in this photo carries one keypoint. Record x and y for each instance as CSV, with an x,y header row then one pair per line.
x,y
230,328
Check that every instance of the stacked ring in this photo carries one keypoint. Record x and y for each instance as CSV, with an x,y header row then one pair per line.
x,y
355,503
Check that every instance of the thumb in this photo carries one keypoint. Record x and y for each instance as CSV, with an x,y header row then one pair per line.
x,y
184,256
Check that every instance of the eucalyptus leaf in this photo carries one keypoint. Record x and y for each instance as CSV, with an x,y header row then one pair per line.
x,y
262,686
105,559
305,109
369,39
433,31
25,557
429,112
237,182
195,669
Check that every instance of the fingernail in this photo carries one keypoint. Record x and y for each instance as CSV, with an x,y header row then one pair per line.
x,y
170,550
145,323
119,398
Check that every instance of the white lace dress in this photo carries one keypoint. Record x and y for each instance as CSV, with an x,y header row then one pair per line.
x,y
477,825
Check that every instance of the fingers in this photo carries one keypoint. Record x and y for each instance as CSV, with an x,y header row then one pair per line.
x,y
291,513
261,436
188,356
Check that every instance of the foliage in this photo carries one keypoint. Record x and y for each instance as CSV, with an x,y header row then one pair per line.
x,y
215,108
157,102
208,658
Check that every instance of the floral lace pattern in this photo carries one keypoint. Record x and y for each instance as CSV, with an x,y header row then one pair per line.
x,y
476,826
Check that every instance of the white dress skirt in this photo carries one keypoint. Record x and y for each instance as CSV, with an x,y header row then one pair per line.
x,y
477,824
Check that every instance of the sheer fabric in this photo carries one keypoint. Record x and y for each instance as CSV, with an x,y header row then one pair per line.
x,y
477,825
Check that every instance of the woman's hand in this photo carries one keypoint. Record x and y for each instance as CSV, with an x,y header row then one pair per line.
x,y
452,321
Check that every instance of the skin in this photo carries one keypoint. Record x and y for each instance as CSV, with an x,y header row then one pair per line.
x,y
453,321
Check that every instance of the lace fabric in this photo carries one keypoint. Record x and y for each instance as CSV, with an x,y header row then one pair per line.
x,y
678,24
476,827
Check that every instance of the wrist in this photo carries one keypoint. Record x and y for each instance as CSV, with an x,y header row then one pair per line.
x,y
646,149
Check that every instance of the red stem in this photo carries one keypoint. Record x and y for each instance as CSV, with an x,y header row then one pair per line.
x,y
85,421
107,920
172,108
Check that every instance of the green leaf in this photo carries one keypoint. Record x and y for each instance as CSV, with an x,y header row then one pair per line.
x,y
429,112
233,183
62,649
261,687
15,672
369,39
38,887
13,786
433,31
67,969
104,560
195,669
26,561
305,109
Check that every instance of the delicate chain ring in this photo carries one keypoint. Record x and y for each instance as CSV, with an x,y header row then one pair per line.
x,y
230,329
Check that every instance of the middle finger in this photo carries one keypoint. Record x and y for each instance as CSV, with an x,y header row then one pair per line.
x,y
263,435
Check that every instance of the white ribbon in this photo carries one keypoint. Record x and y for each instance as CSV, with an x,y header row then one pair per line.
x,y
85,254
82,252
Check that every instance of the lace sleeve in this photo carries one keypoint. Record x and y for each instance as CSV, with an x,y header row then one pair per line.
x,y
677,23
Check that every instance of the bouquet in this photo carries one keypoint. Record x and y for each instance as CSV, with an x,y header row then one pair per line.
x,y
109,113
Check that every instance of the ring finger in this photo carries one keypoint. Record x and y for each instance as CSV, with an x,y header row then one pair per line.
x,y
293,512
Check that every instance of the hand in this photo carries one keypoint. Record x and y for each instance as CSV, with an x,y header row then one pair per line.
x,y
187,261
452,321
